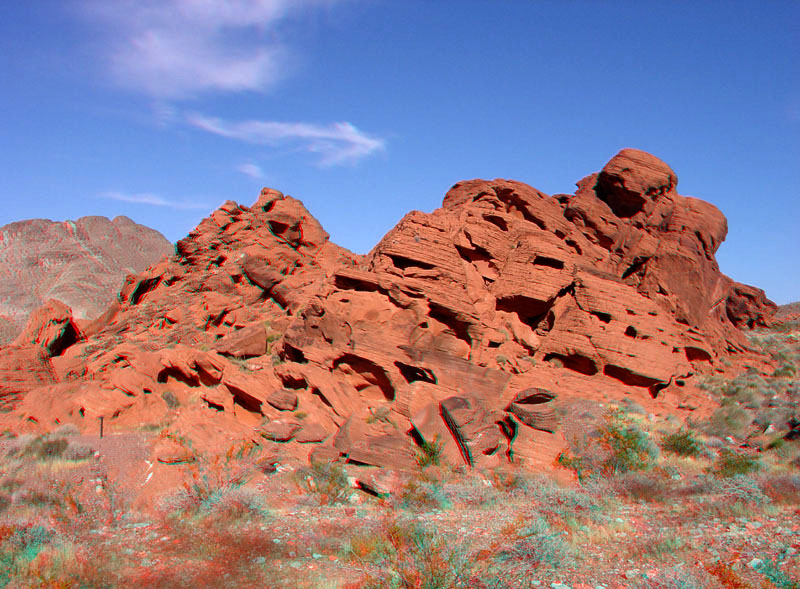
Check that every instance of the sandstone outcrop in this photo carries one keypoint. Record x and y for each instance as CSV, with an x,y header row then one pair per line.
x,y
465,327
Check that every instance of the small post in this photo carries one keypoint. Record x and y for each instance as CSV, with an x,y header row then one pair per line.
x,y
101,426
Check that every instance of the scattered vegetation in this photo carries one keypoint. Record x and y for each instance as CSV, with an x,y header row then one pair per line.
x,y
328,481
731,464
430,453
682,443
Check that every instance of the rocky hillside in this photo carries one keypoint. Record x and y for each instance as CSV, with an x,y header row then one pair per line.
x,y
475,325
81,263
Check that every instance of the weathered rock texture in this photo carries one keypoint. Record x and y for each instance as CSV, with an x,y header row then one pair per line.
x,y
465,326
81,263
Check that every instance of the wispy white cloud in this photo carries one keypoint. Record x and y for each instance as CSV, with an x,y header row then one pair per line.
x,y
146,198
174,49
251,169
336,143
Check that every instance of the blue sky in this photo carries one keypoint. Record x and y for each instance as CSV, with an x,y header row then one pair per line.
x,y
366,109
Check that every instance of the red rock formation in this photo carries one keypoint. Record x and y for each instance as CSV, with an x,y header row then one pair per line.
x,y
81,263
465,326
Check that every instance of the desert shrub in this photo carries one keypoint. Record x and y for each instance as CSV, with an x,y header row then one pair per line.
x,y
642,486
509,481
170,399
77,451
430,453
367,546
771,569
781,488
728,420
537,545
731,464
726,575
556,502
741,489
682,443
327,480
616,447
235,504
664,544
411,555
209,479
44,448
19,547
629,447
67,429
786,369
420,494
473,491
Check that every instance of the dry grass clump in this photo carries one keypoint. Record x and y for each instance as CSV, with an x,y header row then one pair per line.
x,y
327,481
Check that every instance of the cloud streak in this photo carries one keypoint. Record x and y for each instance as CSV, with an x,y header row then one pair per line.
x,y
178,49
154,200
336,143
251,169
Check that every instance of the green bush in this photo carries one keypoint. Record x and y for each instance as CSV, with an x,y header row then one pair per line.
x,y
170,399
731,464
327,480
43,448
430,453
424,495
537,545
682,443
628,446
728,420
412,555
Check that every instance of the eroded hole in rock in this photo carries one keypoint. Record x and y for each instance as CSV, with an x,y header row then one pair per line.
x,y
574,245
702,241
317,393
292,354
268,207
497,221
403,263
531,313
657,388
415,373
245,401
351,283
629,378
697,354
294,383
477,254
636,266
549,262
171,372
143,288
69,337
625,203
574,362
604,317
534,396
215,406
443,315
365,374
206,378
276,227
630,331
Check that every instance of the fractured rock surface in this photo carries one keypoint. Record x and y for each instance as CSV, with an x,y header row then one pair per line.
x,y
465,326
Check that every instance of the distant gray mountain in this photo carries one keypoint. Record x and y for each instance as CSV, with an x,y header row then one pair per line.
x,y
81,263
